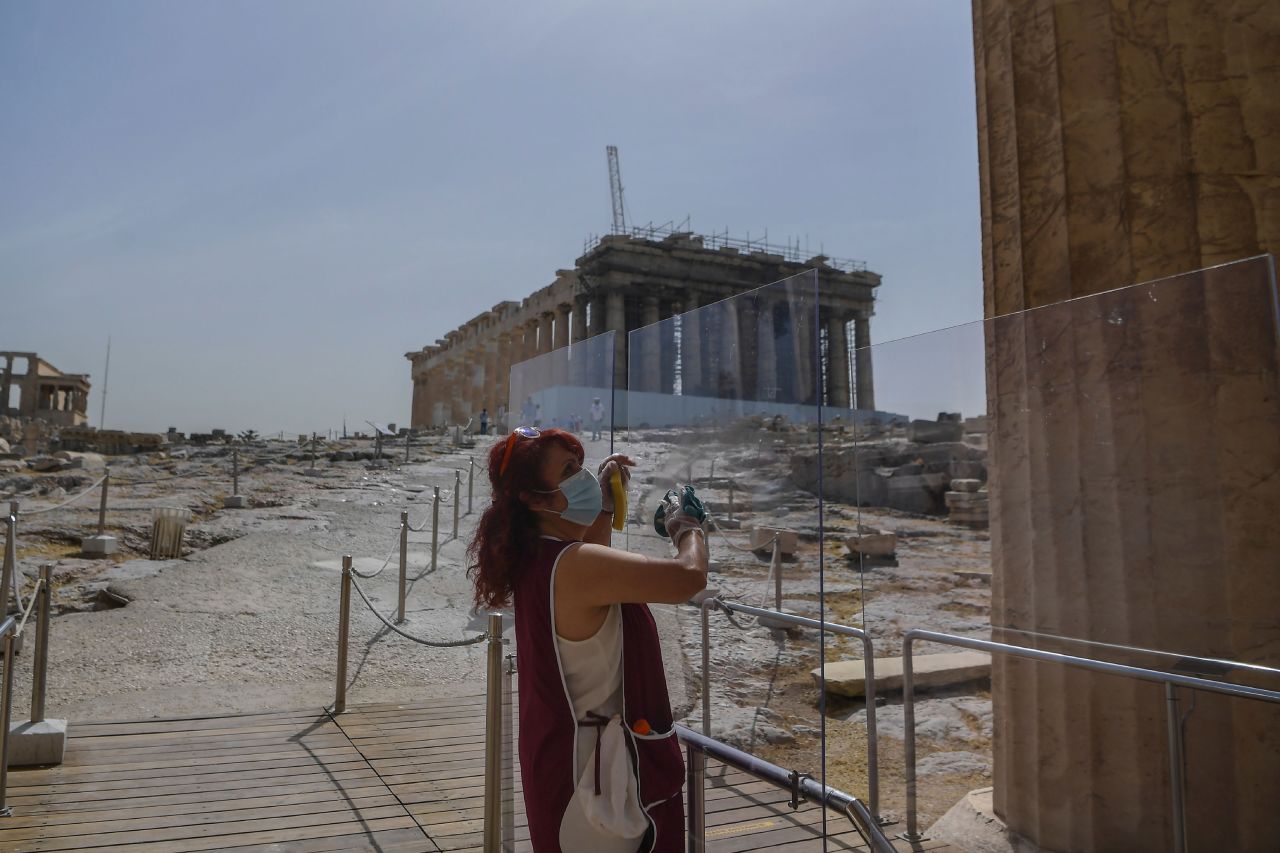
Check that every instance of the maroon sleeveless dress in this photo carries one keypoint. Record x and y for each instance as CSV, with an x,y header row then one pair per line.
x,y
548,729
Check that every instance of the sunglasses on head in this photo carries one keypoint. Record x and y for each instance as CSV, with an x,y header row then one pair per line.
x,y
518,432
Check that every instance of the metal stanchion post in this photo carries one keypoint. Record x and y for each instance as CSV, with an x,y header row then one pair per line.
x,y
707,606
40,663
6,699
102,504
731,500
457,504
406,448
404,561
435,525
10,558
1174,724
313,451
695,783
471,483
775,568
344,613
493,740
235,472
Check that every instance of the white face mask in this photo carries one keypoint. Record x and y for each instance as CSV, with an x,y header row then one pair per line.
x,y
582,491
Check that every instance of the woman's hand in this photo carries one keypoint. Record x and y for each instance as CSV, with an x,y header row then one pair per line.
x,y
617,463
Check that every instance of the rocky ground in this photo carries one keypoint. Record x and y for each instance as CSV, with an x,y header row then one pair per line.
x,y
246,619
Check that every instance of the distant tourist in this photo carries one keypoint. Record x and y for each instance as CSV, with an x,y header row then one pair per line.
x,y
537,415
598,737
484,421
597,418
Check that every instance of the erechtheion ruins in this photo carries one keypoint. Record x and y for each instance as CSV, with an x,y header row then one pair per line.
x,y
31,387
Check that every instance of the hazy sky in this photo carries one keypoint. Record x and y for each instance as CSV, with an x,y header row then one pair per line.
x,y
268,204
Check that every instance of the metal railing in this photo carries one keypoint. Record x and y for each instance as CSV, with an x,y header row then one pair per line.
x,y
11,630
1170,680
778,617
800,785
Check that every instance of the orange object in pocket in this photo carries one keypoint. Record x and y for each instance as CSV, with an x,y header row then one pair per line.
x,y
641,727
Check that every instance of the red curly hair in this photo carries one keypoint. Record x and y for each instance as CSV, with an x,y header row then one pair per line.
x,y
508,530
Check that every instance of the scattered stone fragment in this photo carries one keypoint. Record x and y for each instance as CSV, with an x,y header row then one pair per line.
x,y
847,678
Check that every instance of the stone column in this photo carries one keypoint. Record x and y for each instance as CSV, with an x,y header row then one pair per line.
x,y
801,319
616,321
837,360
561,338
1121,143
580,319
418,406
502,379
651,357
766,351
691,347
864,376
728,378
545,320
491,392
748,308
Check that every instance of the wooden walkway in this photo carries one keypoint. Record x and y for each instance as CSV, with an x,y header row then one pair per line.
x,y
378,778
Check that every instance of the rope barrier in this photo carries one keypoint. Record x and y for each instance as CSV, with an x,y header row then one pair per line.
x,y
26,512
711,520
385,563
31,605
438,644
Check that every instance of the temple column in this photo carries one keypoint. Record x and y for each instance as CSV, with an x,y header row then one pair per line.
x,y
579,318
837,361
691,347
766,352
491,390
651,357
545,320
561,337
728,378
802,350
748,308
864,384
503,378
615,311
1122,143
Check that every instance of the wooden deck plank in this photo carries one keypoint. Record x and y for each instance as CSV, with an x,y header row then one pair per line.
x,y
390,777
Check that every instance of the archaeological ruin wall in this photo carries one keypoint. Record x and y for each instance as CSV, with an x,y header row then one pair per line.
x,y
31,387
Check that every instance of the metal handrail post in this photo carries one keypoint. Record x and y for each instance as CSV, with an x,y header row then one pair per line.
x,y
731,499
457,490
313,451
775,568
1106,667
344,614
909,741
235,471
40,664
435,525
6,700
695,782
1176,782
10,557
471,482
102,504
493,739
707,606
404,563
406,448
868,679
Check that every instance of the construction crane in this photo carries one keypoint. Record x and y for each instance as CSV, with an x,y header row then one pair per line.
x,y
615,189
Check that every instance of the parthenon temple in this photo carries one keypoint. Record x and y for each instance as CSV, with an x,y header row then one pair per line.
x,y
629,281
